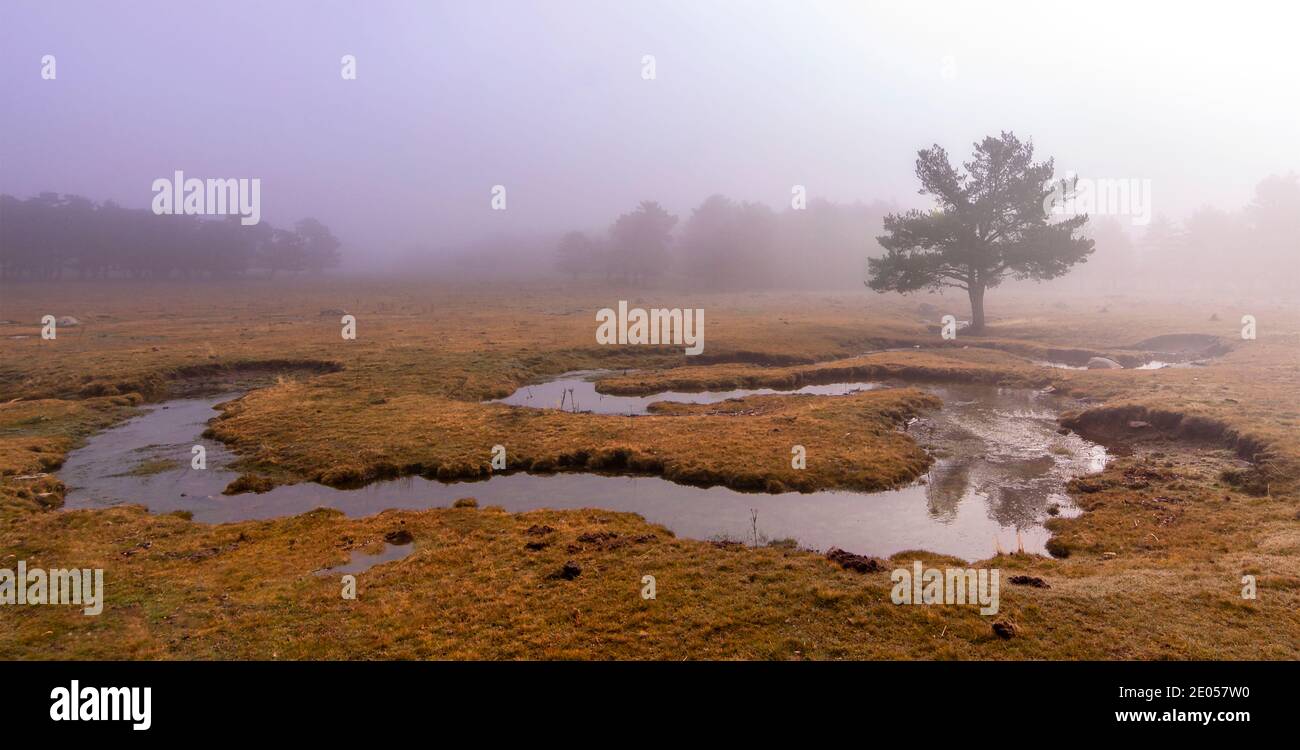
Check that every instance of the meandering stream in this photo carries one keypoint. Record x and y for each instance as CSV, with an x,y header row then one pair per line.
x,y
1000,472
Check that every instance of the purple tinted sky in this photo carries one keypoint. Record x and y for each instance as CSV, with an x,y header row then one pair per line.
x,y
547,98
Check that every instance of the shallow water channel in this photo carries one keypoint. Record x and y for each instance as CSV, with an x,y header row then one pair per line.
x,y
576,391
1000,471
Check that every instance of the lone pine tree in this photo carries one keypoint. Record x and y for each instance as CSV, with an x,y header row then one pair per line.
x,y
991,221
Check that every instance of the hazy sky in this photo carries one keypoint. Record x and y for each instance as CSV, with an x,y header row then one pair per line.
x,y
547,98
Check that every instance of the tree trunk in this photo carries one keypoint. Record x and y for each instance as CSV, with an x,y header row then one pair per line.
x,y
976,309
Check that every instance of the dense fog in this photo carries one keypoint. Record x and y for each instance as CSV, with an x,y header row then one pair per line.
x,y
721,145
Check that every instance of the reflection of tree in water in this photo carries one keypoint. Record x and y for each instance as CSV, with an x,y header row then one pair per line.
x,y
1020,497
947,482
1015,506
1016,493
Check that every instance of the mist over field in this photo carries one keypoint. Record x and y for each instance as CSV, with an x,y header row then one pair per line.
x,y
580,111
432,331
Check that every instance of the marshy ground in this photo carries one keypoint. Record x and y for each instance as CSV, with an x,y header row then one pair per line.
x,y
1201,489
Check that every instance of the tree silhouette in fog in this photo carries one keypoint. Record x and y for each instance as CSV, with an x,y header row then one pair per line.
x,y
320,247
990,222
639,242
575,254
733,245
1254,249
1274,230
729,245
48,235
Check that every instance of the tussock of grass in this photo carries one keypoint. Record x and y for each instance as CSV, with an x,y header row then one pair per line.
x,y
152,466
852,442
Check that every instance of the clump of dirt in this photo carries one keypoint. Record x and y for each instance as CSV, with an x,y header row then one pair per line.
x,y
567,572
1140,477
854,562
399,537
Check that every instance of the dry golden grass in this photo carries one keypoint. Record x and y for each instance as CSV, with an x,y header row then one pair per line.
x,y
472,589
1153,568
854,441
948,364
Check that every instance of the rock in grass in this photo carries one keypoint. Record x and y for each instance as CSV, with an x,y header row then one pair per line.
x,y
855,563
1104,363
568,572
1034,581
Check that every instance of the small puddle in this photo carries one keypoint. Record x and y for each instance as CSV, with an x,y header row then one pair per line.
x,y
1000,471
360,562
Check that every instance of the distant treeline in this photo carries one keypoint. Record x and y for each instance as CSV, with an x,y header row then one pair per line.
x,y
731,245
1254,248
52,236
726,244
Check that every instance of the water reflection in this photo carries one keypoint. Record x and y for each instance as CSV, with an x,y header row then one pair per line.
x,y
1000,464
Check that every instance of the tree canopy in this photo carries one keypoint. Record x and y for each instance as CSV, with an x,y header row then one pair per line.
x,y
640,241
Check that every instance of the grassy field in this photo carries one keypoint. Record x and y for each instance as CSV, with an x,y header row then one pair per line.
x,y
1202,492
